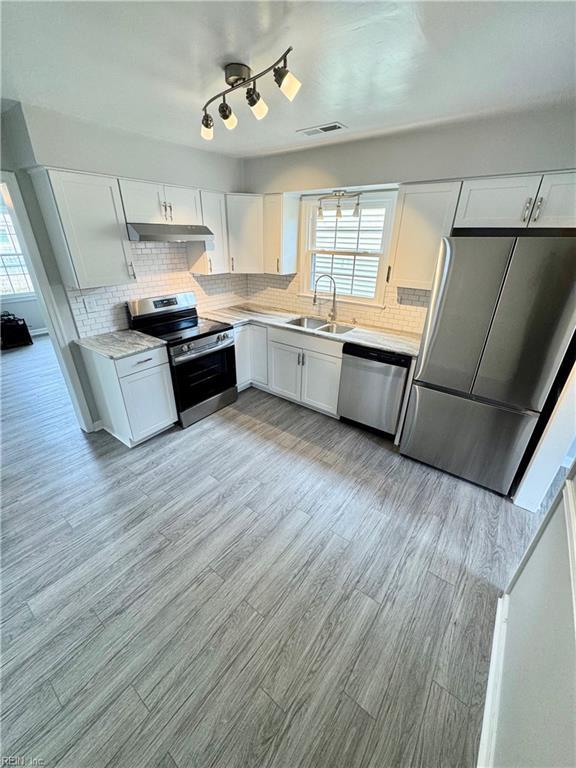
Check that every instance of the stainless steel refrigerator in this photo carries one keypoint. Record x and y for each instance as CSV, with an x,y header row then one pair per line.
x,y
501,316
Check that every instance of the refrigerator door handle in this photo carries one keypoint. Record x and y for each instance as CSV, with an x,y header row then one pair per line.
x,y
436,297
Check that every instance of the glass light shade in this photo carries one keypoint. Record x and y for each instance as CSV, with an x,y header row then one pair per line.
x,y
290,86
338,211
260,109
207,133
231,122
320,214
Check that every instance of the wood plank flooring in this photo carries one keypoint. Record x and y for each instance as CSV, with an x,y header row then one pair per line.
x,y
266,588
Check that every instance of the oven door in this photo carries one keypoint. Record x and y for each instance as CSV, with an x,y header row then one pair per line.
x,y
203,377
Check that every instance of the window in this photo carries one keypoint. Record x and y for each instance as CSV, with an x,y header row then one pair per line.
x,y
14,277
352,249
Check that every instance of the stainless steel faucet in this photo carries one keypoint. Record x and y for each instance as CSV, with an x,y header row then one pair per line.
x,y
332,315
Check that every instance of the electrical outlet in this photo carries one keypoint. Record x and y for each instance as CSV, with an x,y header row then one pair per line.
x,y
90,304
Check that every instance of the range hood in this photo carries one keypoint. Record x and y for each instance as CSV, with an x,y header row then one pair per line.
x,y
169,233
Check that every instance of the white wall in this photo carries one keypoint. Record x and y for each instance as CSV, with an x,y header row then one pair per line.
x,y
38,136
514,143
26,307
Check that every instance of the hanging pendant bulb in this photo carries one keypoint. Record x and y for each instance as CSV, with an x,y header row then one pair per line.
x,y
356,211
229,118
256,103
338,211
207,129
285,80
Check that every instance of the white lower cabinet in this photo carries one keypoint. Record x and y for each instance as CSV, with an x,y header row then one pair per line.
x,y
134,395
306,375
251,347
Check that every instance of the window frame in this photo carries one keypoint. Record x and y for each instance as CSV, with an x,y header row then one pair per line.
x,y
13,296
308,206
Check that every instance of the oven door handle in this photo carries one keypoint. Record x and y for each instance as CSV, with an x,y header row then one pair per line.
x,y
195,355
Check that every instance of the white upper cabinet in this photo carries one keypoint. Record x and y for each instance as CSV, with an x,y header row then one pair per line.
x,y
213,259
281,234
505,201
85,222
244,215
556,202
182,205
146,202
424,214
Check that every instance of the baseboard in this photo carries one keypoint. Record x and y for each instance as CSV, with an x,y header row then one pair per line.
x,y
492,703
39,332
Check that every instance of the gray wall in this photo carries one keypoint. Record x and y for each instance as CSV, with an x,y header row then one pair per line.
x,y
514,143
35,136
28,308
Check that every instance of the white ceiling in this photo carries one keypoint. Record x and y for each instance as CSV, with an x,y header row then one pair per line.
x,y
377,67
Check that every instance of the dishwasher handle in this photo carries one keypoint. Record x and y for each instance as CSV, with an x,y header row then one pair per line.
x,y
376,355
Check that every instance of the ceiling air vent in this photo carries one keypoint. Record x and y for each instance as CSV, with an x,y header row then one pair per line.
x,y
318,129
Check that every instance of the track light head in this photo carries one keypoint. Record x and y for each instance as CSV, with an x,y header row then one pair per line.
x,y
356,211
338,210
207,129
285,80
256,103
320,213
229,118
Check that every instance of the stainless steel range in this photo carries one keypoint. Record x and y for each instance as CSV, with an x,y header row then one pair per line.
x,y
201,352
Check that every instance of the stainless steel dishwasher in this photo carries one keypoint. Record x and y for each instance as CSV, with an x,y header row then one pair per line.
x,y
372,384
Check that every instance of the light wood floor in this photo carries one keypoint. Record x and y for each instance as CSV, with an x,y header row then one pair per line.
x,y
267,588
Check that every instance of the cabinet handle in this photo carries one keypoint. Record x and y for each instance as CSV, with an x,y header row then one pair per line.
x,y
131,270
527,208
146,360
210,264
303,358
299,357
232,261
170,207
388,274
165,209
538,209
278,265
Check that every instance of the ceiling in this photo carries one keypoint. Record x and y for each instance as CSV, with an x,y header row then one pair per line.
x,y
377,67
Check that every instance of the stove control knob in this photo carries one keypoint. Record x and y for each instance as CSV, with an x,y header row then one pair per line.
x,y
184,347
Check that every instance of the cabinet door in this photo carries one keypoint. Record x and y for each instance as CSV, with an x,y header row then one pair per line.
x,y
556,203
214,217
90,210
505,201
143,202
149,400
243,356
281,234
425,213
183,205
259,354
321,381
284,370
244,215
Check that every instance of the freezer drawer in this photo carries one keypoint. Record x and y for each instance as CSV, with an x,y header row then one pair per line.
x,y
371,386
479,442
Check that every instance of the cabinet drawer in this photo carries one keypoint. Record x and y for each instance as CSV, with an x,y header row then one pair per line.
x,y
306,341
141,361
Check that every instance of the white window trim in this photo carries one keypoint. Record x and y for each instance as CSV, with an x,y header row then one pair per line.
x,y
308,205
7,297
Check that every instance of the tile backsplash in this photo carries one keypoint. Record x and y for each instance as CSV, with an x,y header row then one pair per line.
x,y
162,268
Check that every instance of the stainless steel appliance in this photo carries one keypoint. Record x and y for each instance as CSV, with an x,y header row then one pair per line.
x,y
169,233
501,316
201,353
372,384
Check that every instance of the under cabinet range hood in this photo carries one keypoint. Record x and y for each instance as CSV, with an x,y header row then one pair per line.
x,y
169,233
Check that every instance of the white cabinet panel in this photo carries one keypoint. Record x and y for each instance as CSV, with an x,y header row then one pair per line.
x,y
242,349
424,214
85,221
144,201
284,370
149,401
214,259
244,215
320,381
556,203
505,201
182,205
259,354
281,234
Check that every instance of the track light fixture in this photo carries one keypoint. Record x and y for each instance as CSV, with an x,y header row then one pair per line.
x,y
339,195
240,76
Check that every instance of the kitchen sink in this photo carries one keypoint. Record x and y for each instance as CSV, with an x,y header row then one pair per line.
x,y
307,322
335,328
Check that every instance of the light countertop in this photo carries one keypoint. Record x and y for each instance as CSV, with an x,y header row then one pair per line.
x,y
380,338
120,344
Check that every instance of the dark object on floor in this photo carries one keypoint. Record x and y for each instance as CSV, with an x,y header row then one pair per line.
x,y
13,331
